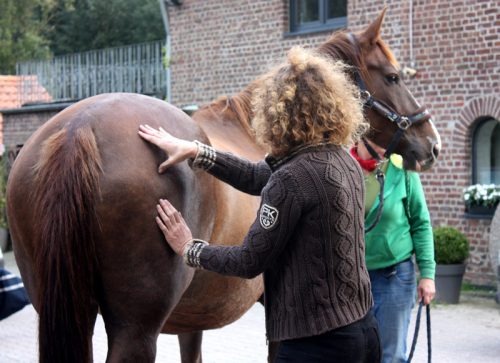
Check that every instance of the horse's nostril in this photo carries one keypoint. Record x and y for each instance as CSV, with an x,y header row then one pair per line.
x,y
435,151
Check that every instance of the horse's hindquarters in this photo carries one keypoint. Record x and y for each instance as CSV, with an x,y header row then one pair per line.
x,y
93,181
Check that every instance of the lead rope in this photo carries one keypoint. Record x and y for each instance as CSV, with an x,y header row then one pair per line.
x,y
417,327
379,174
380,178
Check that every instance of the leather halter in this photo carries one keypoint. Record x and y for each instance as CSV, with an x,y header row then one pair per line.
x,y
402,121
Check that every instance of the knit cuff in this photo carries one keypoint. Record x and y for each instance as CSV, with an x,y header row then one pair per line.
x,y
205,158
192,252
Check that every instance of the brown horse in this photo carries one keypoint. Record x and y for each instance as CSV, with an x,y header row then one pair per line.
x,y
81,197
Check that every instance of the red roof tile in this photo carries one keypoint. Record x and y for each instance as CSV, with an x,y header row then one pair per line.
x,y
10,87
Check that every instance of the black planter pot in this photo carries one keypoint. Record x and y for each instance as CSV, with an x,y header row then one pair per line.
x,y
449,282
481,211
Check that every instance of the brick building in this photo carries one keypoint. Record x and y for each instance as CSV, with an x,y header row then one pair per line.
x,y
219,46
15,130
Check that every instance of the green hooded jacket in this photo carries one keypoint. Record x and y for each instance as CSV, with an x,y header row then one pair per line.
x,y
405,226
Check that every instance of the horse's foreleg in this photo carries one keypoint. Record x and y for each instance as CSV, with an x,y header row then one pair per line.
x,y
190,344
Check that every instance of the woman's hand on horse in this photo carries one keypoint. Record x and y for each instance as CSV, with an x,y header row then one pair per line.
x,y
177,149
173,226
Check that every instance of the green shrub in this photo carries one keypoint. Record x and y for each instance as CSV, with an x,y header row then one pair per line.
x,y
450,246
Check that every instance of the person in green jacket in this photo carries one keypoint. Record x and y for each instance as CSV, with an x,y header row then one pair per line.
x,y
403,230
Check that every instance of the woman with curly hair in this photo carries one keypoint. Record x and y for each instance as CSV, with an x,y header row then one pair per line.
x,y
308,237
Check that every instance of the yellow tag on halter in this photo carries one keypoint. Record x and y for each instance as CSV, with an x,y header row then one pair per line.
x,y
397,160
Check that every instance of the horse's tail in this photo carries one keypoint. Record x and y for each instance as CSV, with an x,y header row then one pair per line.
x,y
67,186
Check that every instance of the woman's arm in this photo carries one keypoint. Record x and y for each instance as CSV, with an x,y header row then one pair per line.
x,y
242,174
421,232
268,236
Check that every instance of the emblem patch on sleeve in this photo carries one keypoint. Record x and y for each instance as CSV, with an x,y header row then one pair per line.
x,y
268,216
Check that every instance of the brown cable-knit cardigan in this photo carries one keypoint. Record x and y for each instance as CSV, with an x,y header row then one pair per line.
x,y
307,239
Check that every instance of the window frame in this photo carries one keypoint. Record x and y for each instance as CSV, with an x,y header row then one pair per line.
x,y
479,124
323,24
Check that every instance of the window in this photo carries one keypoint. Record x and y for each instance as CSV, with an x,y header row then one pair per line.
x,y
317,15
486,152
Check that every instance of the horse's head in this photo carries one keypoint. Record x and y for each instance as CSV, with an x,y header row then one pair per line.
x,y
398,123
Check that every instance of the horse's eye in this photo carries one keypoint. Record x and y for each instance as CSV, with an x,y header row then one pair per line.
x,y
392,78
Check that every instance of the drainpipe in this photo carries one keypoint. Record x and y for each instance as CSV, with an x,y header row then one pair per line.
x,y
164,13
412,60
411,70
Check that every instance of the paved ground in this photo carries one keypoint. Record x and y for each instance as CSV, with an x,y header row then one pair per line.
x,y
465,333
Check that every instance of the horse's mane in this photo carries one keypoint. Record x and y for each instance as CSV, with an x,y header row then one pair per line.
x,y
240,104
340,46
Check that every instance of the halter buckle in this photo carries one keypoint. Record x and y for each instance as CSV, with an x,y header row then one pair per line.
x,y
367,98
365,95
404,123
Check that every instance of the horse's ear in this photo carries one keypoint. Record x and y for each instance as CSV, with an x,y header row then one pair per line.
x,y
372,33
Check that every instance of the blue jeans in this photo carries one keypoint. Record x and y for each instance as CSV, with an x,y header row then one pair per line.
x,y
394,294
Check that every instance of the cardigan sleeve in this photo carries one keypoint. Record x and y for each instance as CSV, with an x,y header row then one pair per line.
x,y
242,174
420,227
267,238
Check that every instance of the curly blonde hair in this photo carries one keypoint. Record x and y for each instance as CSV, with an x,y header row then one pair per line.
x,y
305,101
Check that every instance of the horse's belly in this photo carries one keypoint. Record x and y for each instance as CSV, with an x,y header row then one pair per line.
x,y
213,301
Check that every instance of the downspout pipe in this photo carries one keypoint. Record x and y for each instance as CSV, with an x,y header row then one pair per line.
x,y
410,15
164,14
410,70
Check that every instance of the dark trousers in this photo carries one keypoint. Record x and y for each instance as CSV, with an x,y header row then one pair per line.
x,y
354,343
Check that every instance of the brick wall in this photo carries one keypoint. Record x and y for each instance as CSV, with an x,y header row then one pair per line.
x,y
459,53
219,46
19,124
9,96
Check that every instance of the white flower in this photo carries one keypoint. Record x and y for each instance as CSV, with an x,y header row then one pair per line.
x,y
482,194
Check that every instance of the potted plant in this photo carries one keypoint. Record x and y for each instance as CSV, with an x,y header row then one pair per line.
x,y
481,199
451,249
